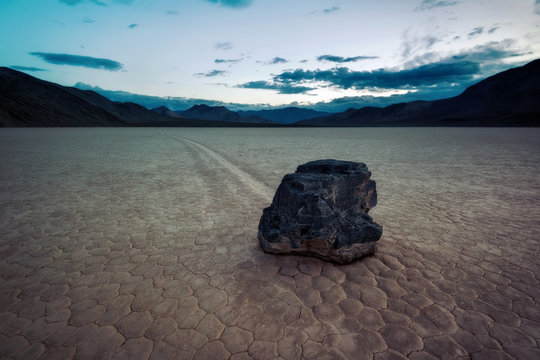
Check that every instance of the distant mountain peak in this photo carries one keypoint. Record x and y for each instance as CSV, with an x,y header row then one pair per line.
x,y
200,107
219,113
285,115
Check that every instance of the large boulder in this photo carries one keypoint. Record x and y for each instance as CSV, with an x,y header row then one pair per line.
x,y
322,210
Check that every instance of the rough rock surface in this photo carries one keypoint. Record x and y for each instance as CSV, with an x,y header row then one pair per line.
x,y
322,210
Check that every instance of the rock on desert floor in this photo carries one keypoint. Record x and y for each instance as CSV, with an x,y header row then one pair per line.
x,y
142,243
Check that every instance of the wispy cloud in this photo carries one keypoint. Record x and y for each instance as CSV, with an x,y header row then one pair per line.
x,y
476,31
326,11
78,60
223,46
430,4
281,88
340,59
537,7
133,26
494,28
491,51
488,53
227,61
212,73
331,9
413,44
232,3
274,61
171,12
26,68
88,20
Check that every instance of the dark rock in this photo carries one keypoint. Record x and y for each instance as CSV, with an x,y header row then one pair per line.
x,y
322,210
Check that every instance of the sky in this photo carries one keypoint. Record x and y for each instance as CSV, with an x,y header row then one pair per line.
x,y
249,54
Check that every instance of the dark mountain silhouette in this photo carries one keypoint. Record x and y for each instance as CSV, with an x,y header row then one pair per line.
x,y
286,115
28,101
509,98
220,113
165,111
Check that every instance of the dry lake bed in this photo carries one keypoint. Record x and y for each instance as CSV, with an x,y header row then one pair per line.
x,y
142,243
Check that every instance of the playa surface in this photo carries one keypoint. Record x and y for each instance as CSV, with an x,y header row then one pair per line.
x,y
142,243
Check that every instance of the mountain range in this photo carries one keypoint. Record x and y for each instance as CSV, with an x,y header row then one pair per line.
x,y
220,113
286,115
26,101
29,102
509,98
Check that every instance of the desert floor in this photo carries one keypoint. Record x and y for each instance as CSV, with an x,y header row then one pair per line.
x,y
142,243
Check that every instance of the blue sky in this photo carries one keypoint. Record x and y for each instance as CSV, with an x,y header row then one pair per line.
x,y
327,54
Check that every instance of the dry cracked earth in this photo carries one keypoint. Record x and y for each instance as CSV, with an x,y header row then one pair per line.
x,y
141,244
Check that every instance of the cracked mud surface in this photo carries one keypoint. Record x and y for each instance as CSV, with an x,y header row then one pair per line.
x,y
142,244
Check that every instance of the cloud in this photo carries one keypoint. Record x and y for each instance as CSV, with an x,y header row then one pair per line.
x,y
476,31
488,52
340,59
431,4
429,69
425,75
26,68
88,20
78,60
331,9
278,60
279,87
171,12
232,3
274,61
537,7
133,26
212,73
412,44
223,46
493,53
494,28
326,11
227,61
